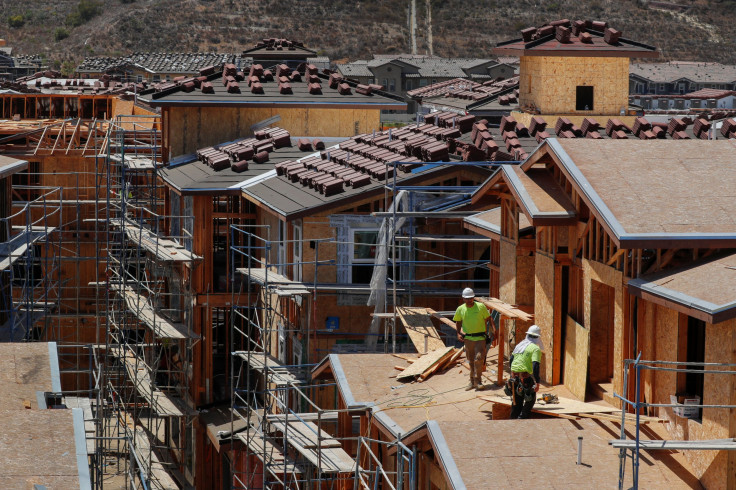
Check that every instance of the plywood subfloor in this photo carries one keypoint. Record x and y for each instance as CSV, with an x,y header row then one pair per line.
x,y
548,448
441,397
24,369
37,447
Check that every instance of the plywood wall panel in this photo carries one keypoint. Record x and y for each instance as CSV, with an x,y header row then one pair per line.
x,y
576,357
613,278
544,295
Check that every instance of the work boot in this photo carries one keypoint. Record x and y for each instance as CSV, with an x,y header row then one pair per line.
x,y
470,386
480,387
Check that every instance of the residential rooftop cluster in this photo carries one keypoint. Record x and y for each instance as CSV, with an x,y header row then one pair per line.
x,y
264,271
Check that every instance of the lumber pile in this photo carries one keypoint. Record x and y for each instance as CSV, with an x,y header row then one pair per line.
x,y
422,368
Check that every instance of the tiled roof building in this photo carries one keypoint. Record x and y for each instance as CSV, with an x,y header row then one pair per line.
x,y
400,74
153,66
680,77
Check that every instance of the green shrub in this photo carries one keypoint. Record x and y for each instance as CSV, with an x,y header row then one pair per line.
x,y
60,33
16,21
85,11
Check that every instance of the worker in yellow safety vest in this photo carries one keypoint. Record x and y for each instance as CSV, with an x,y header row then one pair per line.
x,y
472,320
524,383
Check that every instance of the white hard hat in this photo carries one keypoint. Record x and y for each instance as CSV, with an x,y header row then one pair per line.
x,y
468,293
534,331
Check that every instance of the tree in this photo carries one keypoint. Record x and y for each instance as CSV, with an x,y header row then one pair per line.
x,y
60,33
85,11
16,21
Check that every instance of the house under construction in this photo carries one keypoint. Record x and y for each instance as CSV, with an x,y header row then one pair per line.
x,y
272,310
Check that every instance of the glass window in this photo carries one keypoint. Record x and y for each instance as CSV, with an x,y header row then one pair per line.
x,y
363,255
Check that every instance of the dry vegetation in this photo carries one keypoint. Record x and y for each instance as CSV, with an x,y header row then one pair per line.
x,y
351,29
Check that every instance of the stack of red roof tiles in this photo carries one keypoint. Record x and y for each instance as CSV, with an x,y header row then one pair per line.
x,y
567,32
236,155
372,156
278,44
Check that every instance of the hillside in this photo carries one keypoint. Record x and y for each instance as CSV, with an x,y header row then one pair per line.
x,y
351,29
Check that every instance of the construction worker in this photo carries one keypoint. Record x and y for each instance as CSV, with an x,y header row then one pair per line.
x,y
524,383
472,320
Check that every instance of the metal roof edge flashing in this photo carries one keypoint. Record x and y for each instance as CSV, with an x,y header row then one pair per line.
x,y
54,365
448,462
80,443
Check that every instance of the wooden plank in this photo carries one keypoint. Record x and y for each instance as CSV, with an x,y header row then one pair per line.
x,y
419,327
424,363
505,309
159,478
304,434
160,326
441,318
447,359
566,406
139,375
577,339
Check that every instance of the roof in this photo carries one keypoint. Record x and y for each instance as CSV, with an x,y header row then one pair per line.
x,y
425,66
581,38
10,166
705,93
549,447
695,71
705,289
365,380
299,93
490,221
43,449
188,175
277,48
185,63
655,194
28,368
357,167
514,141
541,198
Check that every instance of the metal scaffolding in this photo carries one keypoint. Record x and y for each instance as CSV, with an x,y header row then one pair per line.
x,y
281,437
144,406
631,448
29,263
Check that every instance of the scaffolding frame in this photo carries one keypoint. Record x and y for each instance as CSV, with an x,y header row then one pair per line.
x,y
144,365
282,439
637,405
29,264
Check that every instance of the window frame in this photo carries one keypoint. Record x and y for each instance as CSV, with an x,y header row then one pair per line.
x,y
352,260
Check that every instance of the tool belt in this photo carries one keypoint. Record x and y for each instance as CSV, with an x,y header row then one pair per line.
x,y
482,336
521,384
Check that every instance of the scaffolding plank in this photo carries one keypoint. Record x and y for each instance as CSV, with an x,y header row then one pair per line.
x,y
270,455
17,246
326,459
279,374
163,249
263,276
140,376
419,327
159,477
304,434
160,326
649,445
